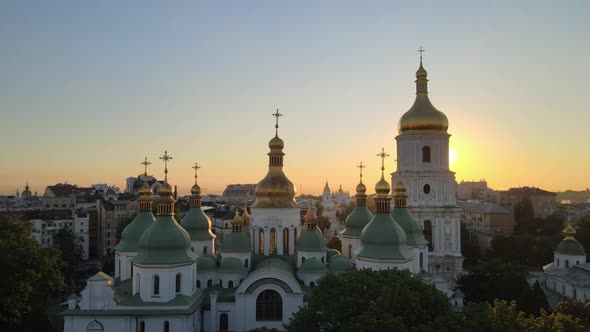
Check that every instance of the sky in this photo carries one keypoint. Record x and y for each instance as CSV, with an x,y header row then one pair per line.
x,y
88,89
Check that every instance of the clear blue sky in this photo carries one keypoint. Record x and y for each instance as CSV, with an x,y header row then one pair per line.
x,y
87,89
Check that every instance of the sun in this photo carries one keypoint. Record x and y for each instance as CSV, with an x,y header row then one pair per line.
x,y
452,156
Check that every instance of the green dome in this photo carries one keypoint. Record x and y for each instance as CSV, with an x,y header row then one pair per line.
x,y
197,224
311,240
383,238
570,247
236,242
339,263
206,263
312,266
132,232
356,221
332,252
413,230
232,265
164,242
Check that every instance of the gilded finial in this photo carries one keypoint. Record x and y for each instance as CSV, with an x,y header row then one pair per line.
x,y
309,214
277,115
382,155
196,168
569,232
145,164
360,166
421,50
166,158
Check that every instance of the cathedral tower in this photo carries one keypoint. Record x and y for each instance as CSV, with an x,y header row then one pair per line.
x,y
423,165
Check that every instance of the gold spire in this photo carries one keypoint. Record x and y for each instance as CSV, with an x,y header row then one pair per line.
x,y
569,232
382,188
245,216
195,200
145,192
361,189
166,202
401,196
277,115
309,216
237,221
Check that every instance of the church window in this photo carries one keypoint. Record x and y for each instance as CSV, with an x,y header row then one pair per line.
x,y
223,322
230,284
261,242
138,282
426,154
198,283
302,260
131,270
567,263
166,326
269,306
178,282
273,241
350,251
312,284
156,285
577,262
428,233
142,326
421,261
558,262
322,259
246,262
209,283
285,241
94,326
426,189
204,250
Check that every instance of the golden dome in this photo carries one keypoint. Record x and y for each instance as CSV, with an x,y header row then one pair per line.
x,y
196,190
245,216
276,143
237,219
382,187
145,189
400,188
165,190
361,188
422,116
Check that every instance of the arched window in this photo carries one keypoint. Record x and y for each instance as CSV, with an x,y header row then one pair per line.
x,y
166,326
230,284
178,281
322,259
269,306
350,251
273,242
558,262
302,260
142,326
426,154
312,284
132,270
223,322
246,262
94,326
209,283
428,233
261,241
156,285
204,250
567,263
138,276
198,283
421,261
285,241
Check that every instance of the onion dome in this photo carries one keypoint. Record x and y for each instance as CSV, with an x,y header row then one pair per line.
x,y
402,216
232,265
569,245
237,241
165,241
312,266
383,238
195,221
275,190
326,189
27,192
311,239
142,221
331,252
207,263
246,218
340,191
339,263
422,116
360,216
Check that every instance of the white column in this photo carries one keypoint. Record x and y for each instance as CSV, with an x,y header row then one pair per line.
x,y
213,317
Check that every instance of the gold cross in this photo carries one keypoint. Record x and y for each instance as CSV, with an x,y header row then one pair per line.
x,y
166,158
277,115
383,155
145,164
421,50
361,168
196,168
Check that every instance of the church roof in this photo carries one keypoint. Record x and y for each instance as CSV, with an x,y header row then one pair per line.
x,y
232,265
578,275
356,221
311,240
312,266
570,247
132,232
339,263
382,238
413,230
197,224
165,242
207,263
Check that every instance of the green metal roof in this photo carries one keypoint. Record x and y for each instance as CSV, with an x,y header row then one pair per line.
x,y
570,247
165,242
197,224
356,221
311,240
236,242
578,275
413,229
232,265
206,263
132,232
312,266
275,263
383,238
339,263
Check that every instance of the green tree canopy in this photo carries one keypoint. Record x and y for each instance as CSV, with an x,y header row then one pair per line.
x,y
71,252
365,300
31,277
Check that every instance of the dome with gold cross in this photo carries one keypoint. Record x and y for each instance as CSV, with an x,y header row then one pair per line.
x,y
422,116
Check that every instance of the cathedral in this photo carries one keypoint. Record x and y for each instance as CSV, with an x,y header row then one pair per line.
x,y
170,276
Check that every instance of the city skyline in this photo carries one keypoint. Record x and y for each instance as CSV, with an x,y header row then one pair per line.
x,y
85,101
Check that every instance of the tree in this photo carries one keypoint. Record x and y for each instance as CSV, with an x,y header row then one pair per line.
x,y
469,248
121,226
365,300
71,252
575,309
342,214
497,279
31,277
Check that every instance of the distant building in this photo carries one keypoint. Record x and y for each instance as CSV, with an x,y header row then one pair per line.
x,y
109,214
46,223
340,197
485,220
477,190
63,196
132,184
544,202
239,193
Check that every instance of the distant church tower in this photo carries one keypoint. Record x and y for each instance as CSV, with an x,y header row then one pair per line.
x,y
423,165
